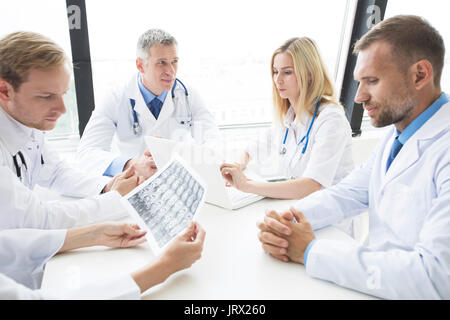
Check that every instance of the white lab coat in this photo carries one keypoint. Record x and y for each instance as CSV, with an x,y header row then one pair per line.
x,y
408,256
120,287
55,174
21,273
327,158
24,252
109,132
22,208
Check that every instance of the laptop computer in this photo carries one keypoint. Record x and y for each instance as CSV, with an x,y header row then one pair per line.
x,y
206,162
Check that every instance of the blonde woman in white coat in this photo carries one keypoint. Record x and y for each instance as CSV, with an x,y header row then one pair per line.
x,y
311,139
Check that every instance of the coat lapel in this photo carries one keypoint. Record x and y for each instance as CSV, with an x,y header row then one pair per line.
x,y
411,151
166,111
408,155
145,116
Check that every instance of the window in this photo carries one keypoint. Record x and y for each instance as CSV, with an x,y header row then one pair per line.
x,y
49,18
224,47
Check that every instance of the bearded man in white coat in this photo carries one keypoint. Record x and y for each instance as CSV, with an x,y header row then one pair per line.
x,y
405,184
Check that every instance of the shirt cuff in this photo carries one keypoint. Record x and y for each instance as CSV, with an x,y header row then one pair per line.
x,y
116,166
305,255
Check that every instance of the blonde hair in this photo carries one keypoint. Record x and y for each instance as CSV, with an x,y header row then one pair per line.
x,y
22,51
312,78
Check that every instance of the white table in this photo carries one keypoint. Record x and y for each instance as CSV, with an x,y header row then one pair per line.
x,y
233,264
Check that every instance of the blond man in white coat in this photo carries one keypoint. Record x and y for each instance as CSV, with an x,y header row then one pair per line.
x,y
405,184
34,76
152,103
32,86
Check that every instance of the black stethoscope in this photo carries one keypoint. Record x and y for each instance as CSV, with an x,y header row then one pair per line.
x,y
283,149
136,126
18,166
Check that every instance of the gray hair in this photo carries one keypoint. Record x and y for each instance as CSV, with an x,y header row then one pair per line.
x,y
150,38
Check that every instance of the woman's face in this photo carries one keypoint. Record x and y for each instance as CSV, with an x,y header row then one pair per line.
x,y
284,77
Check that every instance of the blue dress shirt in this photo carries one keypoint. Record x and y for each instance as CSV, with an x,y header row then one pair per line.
x,y
148,95
415,125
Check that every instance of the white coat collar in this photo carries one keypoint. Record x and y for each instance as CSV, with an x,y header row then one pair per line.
x,y
289,118
412,149
167,110
15,135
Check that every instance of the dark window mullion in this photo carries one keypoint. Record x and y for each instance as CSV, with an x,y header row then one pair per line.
x,y
81,57
366,14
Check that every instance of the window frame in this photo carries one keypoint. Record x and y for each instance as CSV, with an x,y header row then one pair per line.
x,y
355,19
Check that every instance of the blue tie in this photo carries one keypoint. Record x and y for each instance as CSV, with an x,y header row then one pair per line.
x,y
396,146
155,107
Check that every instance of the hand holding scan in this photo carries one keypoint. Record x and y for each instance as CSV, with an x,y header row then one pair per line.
x,y
234,176
126,181
185,249
144,165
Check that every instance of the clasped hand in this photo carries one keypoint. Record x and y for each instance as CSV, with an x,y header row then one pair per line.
x,y
285,235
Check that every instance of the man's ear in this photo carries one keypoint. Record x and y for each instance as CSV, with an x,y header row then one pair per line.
x,y
6,90
423,73
140,64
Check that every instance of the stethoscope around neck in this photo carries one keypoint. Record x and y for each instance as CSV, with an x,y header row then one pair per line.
x,y
188,121
305,138
18,166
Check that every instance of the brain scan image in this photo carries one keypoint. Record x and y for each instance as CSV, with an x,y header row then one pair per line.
x,y
168,202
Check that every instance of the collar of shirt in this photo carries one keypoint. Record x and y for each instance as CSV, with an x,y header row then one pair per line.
x,y
147,94
15,135
417,123
298,127
289,118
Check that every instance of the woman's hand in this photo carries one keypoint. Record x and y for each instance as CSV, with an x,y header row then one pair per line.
x,y
185,249
234,176
180,254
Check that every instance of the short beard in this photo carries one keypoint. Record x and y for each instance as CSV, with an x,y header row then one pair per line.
x,y
394,115
393,111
